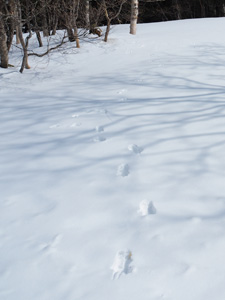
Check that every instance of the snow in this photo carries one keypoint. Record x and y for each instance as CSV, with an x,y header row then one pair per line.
x,y
112,168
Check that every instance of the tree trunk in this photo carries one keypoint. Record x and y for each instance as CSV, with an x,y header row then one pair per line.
x,y
107,31
70,33
23,43
38,35
10,11
18,22
134,16
3,45
55,25
45,28
17,35
25,53
76,37
44,19
75,10
10,35
87,14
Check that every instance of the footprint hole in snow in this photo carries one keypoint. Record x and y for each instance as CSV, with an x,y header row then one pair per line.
x,y
99,139
122,91
122,263
123,170
135,149
55,126
99,128
75,125
146,208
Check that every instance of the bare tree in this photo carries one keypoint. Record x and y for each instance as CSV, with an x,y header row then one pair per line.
x,y
70,15
74,21
112,10
23,42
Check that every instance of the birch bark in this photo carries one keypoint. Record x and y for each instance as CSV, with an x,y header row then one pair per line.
x,y
134,16
87,14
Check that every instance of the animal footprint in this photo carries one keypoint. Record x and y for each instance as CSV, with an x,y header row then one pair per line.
x,y
135,149
122,264
121,92
55,126
99,139
99,128
75,125
102,111
123,170
146,208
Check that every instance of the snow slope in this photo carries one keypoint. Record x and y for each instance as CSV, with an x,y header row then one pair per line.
x,y
112,172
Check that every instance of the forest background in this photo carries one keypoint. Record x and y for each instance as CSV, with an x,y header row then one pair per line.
x,y
81,17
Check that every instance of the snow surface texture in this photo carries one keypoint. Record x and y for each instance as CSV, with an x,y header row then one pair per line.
x,y
86,135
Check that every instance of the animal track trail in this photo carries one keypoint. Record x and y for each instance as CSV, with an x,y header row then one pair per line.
x,y
123,170
65,124
97,111
122,93
122,264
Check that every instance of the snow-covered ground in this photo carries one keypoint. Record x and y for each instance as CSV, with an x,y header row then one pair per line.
x,y
112,177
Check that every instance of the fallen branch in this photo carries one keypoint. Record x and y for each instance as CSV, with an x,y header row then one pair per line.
x,y
50,49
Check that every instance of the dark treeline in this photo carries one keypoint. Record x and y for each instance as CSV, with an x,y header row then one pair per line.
x,y
180,9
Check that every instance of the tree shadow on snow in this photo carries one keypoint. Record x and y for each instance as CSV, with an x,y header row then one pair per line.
x,y
175,108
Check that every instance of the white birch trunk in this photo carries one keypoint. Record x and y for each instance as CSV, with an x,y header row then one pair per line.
x,y
87,14
134,16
